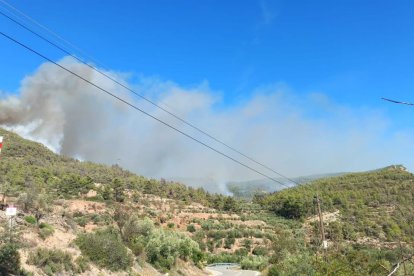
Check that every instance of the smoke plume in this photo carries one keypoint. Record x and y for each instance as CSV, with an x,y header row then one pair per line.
x,y
294,135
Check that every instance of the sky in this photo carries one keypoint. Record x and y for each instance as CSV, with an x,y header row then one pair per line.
x,y
329,61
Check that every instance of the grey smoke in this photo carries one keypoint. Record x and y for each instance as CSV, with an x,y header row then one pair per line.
x,y
294,135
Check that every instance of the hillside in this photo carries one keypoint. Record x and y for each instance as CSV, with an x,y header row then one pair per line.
x,y
371,209
248,189
89,219
25,163
377,204
67,206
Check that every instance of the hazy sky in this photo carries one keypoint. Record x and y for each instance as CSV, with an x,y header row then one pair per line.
x,y
299,80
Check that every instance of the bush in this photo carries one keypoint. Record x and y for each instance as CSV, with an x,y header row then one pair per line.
x,y
273,271
51,261
304,264
170,225
81,221
191,228
30,219
82,264
136,233
9,260
207,225
260,251
254,263
223,258
46,230
228,242
164,248
105,249
247,243
241,252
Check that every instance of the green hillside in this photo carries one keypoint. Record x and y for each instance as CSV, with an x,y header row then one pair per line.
x,y
85,218
121,207
248,189
377,204
369,213
25,164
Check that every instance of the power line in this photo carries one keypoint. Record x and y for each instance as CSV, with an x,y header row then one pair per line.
x,y
137,108
48,30
397,102
136,93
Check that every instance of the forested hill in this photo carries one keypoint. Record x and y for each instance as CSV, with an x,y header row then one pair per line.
x,y
247,189
376,204
80,217
25,164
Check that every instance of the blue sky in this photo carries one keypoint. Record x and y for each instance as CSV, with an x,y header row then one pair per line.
x,y
355,51
352,52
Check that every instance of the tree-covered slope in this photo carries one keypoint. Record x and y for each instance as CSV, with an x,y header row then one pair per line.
x,y
26,164
69,211
248,189
376,204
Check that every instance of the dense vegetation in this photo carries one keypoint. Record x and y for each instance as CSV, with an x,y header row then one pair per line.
x,y
376,204
30,167
105,248
369,233
9,260
248,189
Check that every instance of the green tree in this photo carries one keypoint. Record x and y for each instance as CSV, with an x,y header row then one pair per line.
x,y
9,260
136,233
118,188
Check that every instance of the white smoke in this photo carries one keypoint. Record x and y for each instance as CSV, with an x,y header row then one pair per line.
x,y
294,135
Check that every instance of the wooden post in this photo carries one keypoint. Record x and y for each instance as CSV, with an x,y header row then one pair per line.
x,y
322,229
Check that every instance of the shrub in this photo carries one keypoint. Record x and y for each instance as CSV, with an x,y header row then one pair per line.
x,y
81,221
170,225
9,260
228,242
273,271
96,219
247,243
136,233
82,264
253,263
105,249
30,219
223,258
191,228
164,248
45,230
210,245
51,261
241,252
260,251
207,225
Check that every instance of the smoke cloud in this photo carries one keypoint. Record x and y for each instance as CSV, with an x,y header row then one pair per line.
x,y
296,135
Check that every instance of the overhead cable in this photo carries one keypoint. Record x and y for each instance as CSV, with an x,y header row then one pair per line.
x,y
133,91
397,102
10,6
139,109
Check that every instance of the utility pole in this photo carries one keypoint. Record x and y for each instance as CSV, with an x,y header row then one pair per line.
x,y
321,227
3,192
